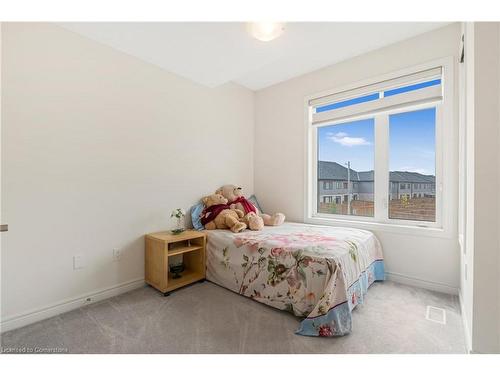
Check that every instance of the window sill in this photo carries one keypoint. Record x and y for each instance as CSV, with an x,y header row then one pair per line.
x,y
385,227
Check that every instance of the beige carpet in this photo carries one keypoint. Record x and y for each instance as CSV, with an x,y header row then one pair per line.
x,y
205,318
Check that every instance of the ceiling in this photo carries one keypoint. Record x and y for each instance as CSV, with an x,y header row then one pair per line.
x,y
215,53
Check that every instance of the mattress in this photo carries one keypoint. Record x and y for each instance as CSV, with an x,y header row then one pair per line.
x,y
319,273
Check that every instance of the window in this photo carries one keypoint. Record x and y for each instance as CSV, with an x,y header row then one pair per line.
x,y
379,142
417,86
412,137
339,160
349,102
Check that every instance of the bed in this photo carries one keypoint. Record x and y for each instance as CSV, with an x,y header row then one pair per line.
x,y
318,273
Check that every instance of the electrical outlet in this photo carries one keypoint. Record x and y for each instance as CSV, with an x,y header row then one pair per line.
x,y
78,262
117,254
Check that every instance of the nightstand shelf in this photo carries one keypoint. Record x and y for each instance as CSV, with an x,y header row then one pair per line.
x,y
182,250
163,245
188,277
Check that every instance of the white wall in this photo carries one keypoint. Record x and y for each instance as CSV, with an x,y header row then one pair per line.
x,y
498,201
481,294
98,148
280,153
1,220
466,214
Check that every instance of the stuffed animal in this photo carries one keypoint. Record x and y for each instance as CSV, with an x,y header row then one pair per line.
x,y
235,197
218,215
253,221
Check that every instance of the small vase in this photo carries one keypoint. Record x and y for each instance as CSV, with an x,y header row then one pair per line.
x,y
180,227
177,269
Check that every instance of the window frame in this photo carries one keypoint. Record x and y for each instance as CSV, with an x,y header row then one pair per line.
x,y
444,138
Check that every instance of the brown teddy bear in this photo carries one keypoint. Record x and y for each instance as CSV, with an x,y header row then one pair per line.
x,y
218,215
254,219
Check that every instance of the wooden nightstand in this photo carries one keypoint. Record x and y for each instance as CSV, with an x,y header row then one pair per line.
x,y
163,245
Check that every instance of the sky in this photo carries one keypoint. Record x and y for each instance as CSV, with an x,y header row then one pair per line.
x,y
411,142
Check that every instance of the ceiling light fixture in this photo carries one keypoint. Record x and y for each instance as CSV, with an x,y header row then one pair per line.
x,y
265,31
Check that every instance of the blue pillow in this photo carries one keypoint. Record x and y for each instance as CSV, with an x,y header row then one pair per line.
x,y
196,211
255,202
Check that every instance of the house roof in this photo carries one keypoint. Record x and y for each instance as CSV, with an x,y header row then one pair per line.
x,y
411,177
330,170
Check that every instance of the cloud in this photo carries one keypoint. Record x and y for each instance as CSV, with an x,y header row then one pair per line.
x,y
344,139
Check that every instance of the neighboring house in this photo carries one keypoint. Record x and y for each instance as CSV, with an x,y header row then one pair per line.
x,y
333,184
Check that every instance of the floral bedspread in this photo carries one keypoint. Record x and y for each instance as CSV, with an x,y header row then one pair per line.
x,y
318,273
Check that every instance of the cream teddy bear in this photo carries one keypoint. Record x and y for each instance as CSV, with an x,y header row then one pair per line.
x,y
254,219
218,215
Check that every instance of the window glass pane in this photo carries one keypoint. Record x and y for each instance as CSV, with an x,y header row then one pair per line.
x,y
412,160
351,190
414,87
346,103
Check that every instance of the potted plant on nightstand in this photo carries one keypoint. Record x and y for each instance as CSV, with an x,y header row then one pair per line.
x,y
179,214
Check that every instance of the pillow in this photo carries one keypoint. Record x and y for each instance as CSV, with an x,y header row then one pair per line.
x,y
196,211
255,202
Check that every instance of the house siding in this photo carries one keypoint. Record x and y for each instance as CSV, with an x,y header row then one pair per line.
x,y
410,184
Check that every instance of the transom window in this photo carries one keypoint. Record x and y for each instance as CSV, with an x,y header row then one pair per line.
x,y
379,143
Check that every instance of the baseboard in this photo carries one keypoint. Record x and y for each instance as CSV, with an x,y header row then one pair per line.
x,y
33,316
468,341
425,284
